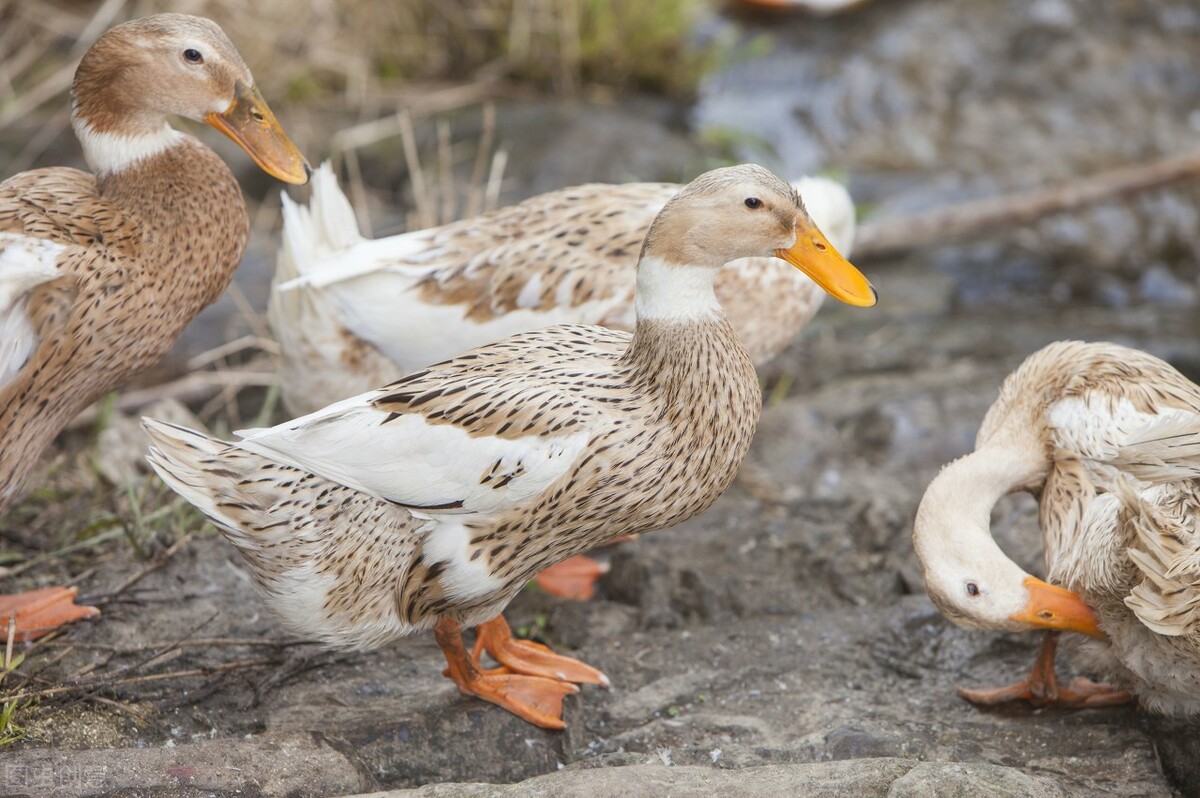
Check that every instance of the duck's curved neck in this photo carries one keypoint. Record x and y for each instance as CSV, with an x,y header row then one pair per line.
x,y
682,339
954,517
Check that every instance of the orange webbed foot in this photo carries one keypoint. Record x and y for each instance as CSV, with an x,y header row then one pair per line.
x,y
536,699
1040,688
35,613
528,657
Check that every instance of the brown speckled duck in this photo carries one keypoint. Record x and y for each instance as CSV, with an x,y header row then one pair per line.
x,y
430,502
352,314
1108,438
99,273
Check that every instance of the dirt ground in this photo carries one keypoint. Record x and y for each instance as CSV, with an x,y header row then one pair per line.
x,y
781,642
787,626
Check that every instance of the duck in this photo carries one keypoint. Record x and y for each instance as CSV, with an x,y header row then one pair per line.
x,y
101,271
428,503
351,314
1108,438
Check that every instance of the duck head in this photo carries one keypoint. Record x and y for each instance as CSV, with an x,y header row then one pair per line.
x,y
139,73
967,576
729,214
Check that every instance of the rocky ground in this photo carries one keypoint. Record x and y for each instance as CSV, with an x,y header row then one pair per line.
x,y
781,643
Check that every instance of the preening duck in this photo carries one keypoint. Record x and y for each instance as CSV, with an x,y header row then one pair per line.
x,y
430,502
352,314
1108,438
100,272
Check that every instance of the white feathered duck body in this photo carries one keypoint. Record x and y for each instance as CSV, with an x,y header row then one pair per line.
x,y
351,314
1108,438
431,501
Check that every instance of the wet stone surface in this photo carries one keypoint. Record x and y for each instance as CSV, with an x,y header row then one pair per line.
x,y
782,640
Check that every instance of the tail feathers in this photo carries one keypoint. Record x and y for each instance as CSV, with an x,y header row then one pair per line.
x,y
326,227
177,454
1167,601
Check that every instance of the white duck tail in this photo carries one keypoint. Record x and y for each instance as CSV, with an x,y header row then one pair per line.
x,y
303,317
313,232
280,518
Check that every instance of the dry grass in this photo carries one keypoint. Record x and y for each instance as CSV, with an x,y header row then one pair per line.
x,y
364,60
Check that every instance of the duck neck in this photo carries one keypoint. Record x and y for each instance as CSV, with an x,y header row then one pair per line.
x,y
682,340
182,199
955,516
673,293
112,120
109,152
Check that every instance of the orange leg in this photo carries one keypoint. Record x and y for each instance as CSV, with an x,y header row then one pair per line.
x,y
1040,688
533,698
39,612
575,577
528,657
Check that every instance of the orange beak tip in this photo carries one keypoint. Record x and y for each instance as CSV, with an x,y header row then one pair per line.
x,y
1057,608
815,256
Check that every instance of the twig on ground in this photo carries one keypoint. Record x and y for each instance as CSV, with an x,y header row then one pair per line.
x,y
149,568
907,232
295,664
105,682
91,542
195,642
268,345
188,387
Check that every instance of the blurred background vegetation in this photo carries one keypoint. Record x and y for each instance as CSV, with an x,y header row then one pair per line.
x,y
366,58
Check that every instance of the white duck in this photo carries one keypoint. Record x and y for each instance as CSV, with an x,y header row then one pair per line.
x,y
351,314
1109,439
429,503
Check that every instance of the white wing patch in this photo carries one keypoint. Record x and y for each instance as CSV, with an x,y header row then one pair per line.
x,y
1153,447
432,469
25,262
415,333
463,578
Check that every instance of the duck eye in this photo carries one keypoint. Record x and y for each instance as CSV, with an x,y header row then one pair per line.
x,y
193,56
753,202
972,589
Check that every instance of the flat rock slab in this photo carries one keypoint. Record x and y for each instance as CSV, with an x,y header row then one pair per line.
x,y
300,765
863,778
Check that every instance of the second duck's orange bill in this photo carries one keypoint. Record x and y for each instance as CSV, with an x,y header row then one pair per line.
x,y
1056,608
249,122
815,256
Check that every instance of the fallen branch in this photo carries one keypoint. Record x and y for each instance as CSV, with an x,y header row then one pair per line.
x,y
189,387
195,642
151,567
150,677
907,232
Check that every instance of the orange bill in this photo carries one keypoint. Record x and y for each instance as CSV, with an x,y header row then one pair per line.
x,y
249,121
815,256
1056,608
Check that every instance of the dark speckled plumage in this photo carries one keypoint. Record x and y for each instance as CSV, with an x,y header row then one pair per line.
x,y
148,248
441,494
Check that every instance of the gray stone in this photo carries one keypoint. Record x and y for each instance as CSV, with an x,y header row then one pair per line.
x,y
293,765
861,778
957,780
